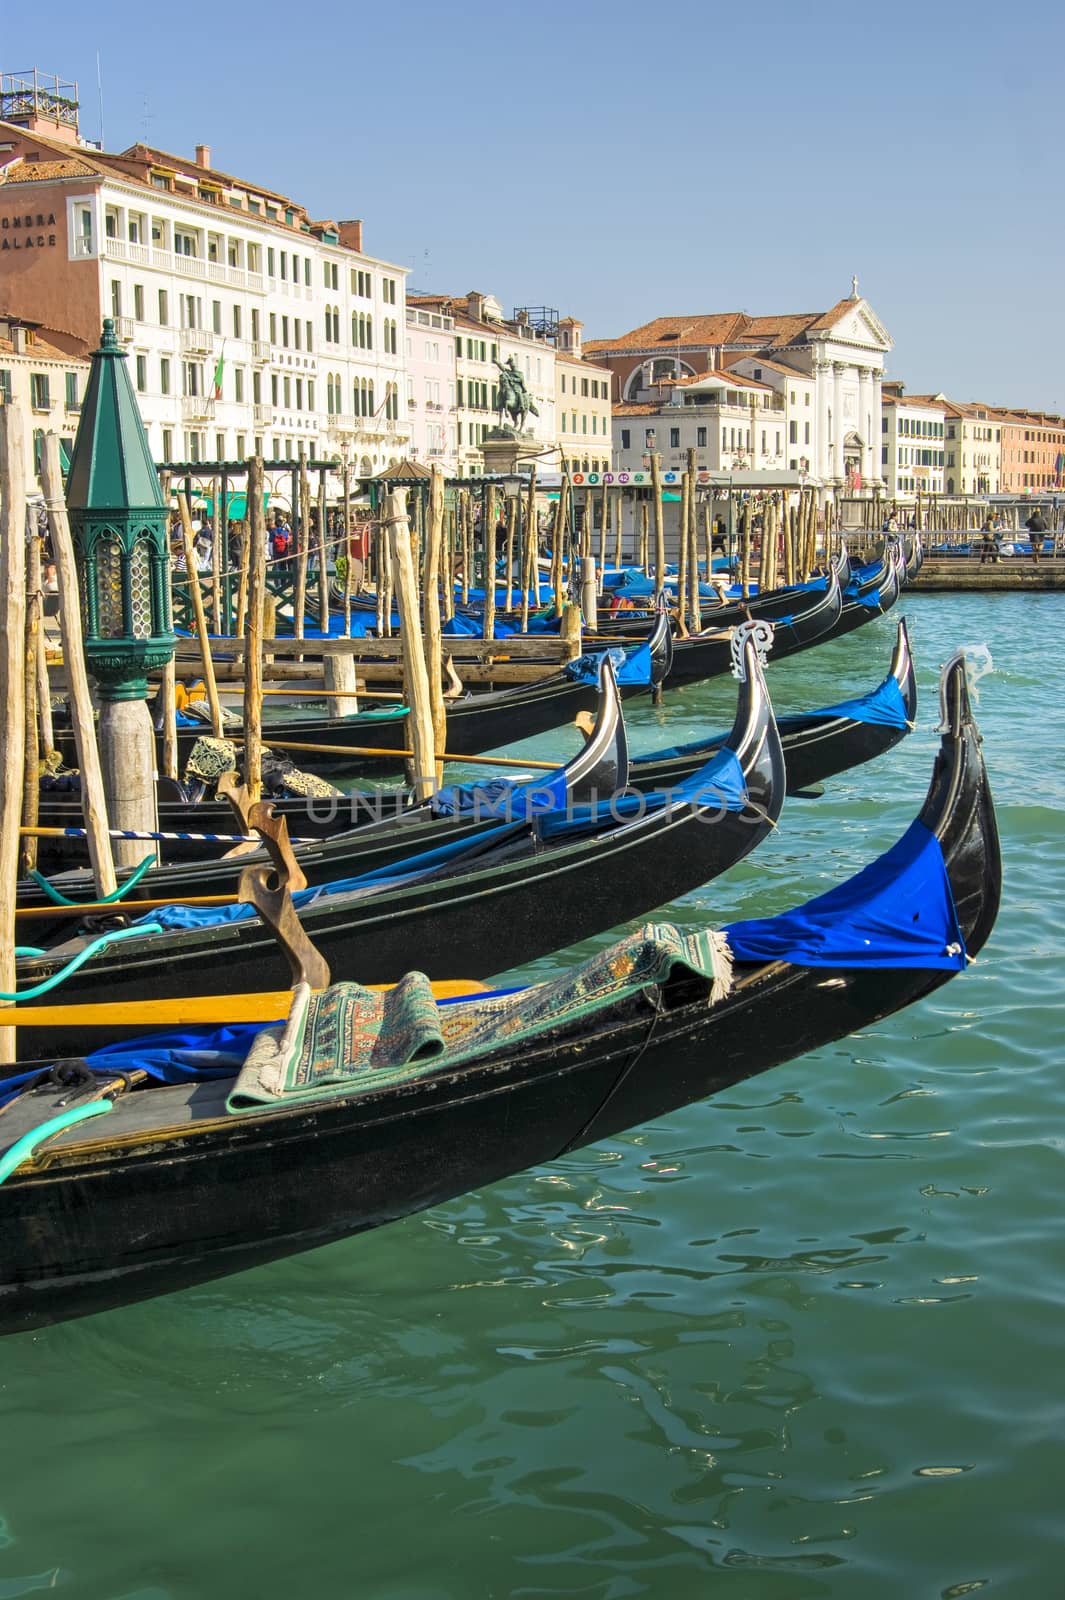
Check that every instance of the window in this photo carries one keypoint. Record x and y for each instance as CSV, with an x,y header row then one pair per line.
x,y
284,264
700,439
142,373
138,301
626,439
270,261
238,384
184,242
793,433
273,327
241,446
72,391
39,396
116,298
273,395
806,433
220,447
284,332
236,322
255,324
674,438
164,375
216,315
168,445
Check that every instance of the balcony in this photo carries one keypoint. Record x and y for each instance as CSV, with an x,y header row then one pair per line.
x,y
196,342
196,408
262,415
189,266
260,352
124,329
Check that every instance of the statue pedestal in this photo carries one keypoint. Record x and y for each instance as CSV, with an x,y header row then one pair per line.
x,y
502,449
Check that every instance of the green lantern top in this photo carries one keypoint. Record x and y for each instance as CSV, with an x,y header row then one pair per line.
x,y
111,468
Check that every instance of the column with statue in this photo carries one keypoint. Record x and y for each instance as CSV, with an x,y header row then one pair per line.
x,y
119,525
503,445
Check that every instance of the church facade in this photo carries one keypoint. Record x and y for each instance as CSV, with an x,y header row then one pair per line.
x,y
827,368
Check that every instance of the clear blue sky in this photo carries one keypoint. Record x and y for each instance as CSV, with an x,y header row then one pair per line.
x,y
623,161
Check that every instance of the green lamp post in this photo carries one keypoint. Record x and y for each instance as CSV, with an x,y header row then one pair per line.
x,y
119,526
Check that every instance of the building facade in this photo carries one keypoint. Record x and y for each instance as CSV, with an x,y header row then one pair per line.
x,y
45,383
913,429
431,388
734,425
972,449
249,326
582,403
839,354
1032,452
483,342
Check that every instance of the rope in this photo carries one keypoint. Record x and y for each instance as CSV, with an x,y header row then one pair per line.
x,y
105,900
48,984
119,833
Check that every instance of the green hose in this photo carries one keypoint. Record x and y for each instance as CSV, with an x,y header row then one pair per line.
x,y
24,1147
80,959
131,882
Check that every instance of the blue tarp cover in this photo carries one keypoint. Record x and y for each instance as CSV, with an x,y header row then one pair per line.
x,y
718,783
470,628
897,912
884,706
630,666
509,799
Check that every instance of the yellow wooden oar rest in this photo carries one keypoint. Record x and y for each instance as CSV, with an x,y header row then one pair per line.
x,y
270,1006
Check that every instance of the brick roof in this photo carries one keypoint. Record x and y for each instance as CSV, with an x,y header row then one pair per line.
x,y
39,171
719,376
729,358
39,350
725,328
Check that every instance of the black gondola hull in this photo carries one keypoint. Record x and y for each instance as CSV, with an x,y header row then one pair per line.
x,y
218,1194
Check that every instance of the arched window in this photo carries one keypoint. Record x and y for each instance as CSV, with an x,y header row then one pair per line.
x,y
330,407
369,333
354,328
328,324
370,408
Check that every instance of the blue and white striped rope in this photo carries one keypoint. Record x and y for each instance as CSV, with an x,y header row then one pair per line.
x,y
195,838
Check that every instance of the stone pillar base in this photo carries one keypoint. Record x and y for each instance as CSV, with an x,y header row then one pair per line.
x,y
502,449
127,755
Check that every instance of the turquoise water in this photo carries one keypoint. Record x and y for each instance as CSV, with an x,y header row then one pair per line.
x,y
800,1340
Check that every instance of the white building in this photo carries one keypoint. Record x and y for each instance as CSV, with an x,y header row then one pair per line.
x,y
45,383
249,325
483,341
430,376
835,357
912,434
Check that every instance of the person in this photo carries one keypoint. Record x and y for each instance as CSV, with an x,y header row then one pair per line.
x,y
989,544
1036,525
280,539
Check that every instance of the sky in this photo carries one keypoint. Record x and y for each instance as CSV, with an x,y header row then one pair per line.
x,y
622,161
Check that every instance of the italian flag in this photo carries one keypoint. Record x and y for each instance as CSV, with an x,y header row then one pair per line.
x,y
218,373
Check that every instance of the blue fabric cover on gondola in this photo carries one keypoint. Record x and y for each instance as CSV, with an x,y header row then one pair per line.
x,y
718,783
885,706
508,799
898,912
178,917
471,628
630,666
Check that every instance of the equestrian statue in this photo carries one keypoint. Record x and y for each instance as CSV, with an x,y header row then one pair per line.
x,y
515,401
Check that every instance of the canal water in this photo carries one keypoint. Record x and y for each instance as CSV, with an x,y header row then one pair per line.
x,y
801,1340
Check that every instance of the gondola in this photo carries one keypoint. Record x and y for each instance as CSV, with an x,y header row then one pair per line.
x,y
511,895
475,723
817,745
391,826
862,606
170,1187
707,654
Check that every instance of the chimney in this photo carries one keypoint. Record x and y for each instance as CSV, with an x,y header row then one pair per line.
x,y
18,339
475,305
351,234
203,155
